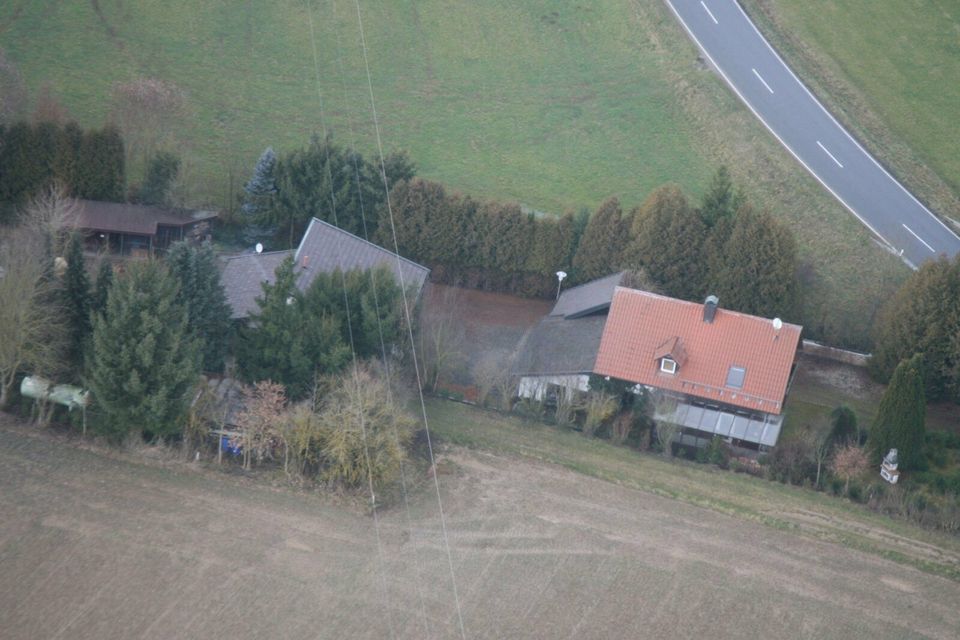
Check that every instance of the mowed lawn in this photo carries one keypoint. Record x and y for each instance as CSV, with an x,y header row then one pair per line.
x,y
555,105
551,104
898,60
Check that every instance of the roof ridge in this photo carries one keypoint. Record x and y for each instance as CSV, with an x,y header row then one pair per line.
x,y
700,304
255,255
372,244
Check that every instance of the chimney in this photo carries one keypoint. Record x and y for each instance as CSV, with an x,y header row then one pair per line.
x,y
710,309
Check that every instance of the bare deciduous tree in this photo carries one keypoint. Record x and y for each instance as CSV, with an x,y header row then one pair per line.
x,y
495,380
260,421
599,408
441,335
849,462
664,406
31,327
365,434
48,216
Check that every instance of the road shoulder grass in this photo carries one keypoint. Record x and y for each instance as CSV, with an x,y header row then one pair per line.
x,y
783,507
888,72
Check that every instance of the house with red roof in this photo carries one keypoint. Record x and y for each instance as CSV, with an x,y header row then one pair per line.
x,y
723,373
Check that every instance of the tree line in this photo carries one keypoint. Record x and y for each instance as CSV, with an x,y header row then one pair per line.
x,y
723,246
322,180
88,163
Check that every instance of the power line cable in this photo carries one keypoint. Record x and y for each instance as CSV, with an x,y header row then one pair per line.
x,y
406,308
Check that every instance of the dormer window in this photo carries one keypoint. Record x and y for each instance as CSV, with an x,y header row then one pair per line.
x,y
668,365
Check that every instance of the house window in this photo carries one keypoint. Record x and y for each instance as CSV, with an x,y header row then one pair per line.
x,y
668,366
735,377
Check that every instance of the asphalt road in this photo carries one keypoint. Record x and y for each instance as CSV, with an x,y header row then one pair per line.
x,y
796,118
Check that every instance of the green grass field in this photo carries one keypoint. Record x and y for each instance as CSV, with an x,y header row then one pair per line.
x,y
550,104
892,69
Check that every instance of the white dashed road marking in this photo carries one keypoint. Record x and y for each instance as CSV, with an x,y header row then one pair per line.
x,y
760,78
918,238
827,151
709,13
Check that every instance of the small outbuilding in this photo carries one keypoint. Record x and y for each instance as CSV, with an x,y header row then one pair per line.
x,y
137,230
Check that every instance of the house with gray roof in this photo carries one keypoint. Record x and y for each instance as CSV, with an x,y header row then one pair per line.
x,y
561,350
323,249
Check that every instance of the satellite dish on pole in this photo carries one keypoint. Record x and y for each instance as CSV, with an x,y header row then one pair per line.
x,y
259,248
777,324
560,276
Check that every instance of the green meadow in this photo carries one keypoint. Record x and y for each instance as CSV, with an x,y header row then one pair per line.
x,y
556,105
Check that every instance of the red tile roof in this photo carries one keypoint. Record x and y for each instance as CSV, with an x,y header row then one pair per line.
x,y
641,322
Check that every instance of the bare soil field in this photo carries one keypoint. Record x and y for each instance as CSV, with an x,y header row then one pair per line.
x,y
97,545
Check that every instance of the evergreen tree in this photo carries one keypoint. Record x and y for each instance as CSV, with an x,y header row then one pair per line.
x,y
46,140
398,166
900,421
66,164
759,272
602,244
195,270
504,236
923,317
261,186
273,345
668,239
552,245
721,201
104,282
144,359
161,173
101,174
20,171
77,301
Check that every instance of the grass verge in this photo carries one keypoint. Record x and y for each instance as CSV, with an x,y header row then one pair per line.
x,y
888,71
784,507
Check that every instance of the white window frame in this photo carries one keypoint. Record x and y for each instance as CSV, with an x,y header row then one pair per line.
x,y
668,365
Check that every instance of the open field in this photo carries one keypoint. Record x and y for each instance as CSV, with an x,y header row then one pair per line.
x,y
97,546
889,71
550,104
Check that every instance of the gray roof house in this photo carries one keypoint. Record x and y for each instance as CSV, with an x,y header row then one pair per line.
x,y
562,349
322,249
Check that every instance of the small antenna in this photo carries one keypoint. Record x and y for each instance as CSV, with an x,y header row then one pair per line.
x,y
259,248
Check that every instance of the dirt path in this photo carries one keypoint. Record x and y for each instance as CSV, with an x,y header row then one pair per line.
x,y
96,547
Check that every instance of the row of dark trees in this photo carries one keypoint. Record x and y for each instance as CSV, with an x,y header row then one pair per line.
x,y
322,180
90,164
723,246
923,317
297,337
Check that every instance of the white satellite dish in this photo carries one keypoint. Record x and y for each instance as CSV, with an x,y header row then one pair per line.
x,y
777,324
259,248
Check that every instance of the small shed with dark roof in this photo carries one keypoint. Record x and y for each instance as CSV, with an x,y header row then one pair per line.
x,y
135,229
